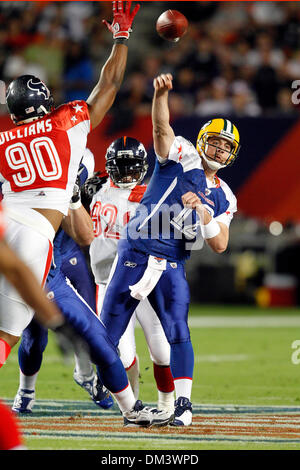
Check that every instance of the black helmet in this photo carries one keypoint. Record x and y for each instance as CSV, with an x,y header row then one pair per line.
x,y
126,157
28,97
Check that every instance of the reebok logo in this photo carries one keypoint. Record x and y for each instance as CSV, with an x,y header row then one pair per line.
x,y
130,264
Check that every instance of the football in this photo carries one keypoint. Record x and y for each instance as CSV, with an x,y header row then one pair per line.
x,y
171,25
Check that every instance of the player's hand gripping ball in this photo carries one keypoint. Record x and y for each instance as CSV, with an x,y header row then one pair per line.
x,y
171,25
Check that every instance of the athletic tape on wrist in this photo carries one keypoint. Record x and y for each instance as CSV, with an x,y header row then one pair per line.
x,y
75,205
121,41
210,230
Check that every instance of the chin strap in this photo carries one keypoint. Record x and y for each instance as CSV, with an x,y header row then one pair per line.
x,y
213,165
126,185
26,121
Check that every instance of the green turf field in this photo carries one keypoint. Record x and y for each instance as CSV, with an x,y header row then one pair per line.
x,y
242,358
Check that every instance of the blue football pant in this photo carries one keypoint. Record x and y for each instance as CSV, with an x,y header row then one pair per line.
x,y
170,299
87,325
75,268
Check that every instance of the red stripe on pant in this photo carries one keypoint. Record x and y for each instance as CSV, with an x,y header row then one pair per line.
x,y
48,263
4,351
183,378
131,365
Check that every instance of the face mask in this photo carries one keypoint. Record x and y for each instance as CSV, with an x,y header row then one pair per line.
x,y
212,164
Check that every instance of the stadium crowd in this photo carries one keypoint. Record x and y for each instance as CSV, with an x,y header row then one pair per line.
x,y
238,59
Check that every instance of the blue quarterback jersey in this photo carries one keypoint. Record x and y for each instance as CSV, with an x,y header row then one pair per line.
x,y
162,226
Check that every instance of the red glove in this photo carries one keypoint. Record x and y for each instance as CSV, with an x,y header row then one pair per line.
x,y
121,25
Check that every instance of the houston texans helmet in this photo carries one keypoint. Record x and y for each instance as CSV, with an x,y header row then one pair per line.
x,y
126,162
28,98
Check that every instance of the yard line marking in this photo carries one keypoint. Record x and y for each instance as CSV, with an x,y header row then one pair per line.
x,y
138,436
211,423
264,321
79,406
222,358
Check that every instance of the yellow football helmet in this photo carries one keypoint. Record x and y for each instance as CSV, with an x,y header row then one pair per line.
x,y
224,129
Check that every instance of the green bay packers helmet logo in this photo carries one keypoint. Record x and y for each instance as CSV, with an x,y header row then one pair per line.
x,y
224,129
206,124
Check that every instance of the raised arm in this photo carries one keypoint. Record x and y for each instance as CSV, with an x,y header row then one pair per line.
x,y
163,135
111,76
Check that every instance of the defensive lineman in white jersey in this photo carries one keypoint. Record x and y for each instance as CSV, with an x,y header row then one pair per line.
x,y
111,208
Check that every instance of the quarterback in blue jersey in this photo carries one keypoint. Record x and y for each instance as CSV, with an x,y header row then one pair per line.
x,y
185,204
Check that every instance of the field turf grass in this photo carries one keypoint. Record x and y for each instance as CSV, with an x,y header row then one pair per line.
x,y
244,379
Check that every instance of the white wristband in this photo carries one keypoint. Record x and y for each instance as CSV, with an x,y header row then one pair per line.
x,y
210,230
75,205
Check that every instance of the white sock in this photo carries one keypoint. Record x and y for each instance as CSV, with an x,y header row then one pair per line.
x,y
83,364
165,401
133,374
183,388
125,399
28,381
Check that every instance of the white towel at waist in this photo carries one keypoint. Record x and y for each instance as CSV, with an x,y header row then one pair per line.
x,y
150,278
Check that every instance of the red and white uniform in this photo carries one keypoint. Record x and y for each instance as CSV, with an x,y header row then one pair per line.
x,y
38,164
111,209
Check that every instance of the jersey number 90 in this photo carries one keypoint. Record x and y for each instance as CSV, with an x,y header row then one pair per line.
x,y
39,162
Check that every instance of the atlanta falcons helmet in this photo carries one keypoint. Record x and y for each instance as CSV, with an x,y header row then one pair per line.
x,y
28,98
222,128
126,162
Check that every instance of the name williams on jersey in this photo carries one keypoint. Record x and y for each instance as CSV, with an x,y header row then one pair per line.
x,y
38,127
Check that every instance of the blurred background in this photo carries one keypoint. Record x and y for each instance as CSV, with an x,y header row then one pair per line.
x,y
239,60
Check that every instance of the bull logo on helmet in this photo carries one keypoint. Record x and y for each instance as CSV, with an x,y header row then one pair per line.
x,y
38,87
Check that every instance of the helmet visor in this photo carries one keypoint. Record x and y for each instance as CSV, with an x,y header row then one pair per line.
x,y
126,169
